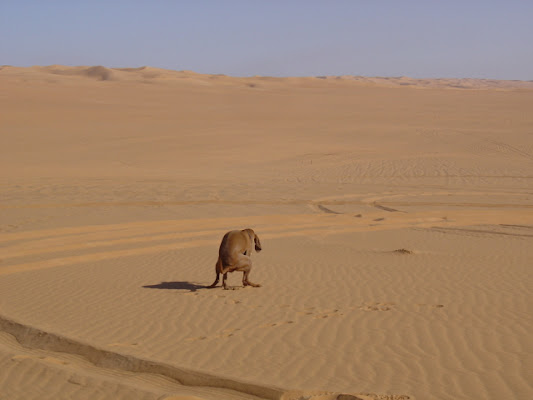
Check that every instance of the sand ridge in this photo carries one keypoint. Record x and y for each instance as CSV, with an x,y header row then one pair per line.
x,y
62,353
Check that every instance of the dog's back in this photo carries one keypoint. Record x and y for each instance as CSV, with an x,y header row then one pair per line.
x,y
234,243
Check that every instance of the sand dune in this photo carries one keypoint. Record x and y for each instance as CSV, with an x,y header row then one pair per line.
x,y
395,214
150,74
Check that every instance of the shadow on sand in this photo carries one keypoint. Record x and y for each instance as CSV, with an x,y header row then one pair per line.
x,y
192,287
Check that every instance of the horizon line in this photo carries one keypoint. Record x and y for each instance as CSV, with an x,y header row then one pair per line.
x,y
318,76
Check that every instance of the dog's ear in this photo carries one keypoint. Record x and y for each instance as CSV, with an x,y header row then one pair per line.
x,y
257,243
254,237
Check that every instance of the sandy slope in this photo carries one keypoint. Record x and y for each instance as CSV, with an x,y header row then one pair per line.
x,y
396,218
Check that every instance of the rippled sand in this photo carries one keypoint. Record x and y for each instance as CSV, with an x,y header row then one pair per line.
x,y
396,218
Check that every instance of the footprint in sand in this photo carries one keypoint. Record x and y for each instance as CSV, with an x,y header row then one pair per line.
x,y
328,313
274,324
305,312
75,381
227,333
376,306
321,314
403,251
195,339
423,305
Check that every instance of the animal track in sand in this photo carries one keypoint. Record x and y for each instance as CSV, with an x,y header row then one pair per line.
x,y
196,338
339,312
231,330
333,313
376,306
305,312
312,312
430,305
75,381
274,324
327,314
403,251
221,335
62,247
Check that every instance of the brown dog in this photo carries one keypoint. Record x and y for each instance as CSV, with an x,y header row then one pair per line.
x,y
234,255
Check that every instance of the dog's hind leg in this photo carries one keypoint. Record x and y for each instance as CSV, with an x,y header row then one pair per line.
x,y
224,277
244,264
245,281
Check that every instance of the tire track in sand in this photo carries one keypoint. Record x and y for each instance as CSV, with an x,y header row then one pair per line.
x,y
34,250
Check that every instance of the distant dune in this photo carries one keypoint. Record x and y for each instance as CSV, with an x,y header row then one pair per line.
x,y
153,75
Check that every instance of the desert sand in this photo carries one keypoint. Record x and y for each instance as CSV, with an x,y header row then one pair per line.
x,y
395,215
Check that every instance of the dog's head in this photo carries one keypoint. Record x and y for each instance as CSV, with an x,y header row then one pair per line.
x,y
255,238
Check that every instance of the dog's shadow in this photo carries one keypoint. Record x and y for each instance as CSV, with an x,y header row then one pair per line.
x,y
192,287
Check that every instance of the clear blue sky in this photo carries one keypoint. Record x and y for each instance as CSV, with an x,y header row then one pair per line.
x,y
424,38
